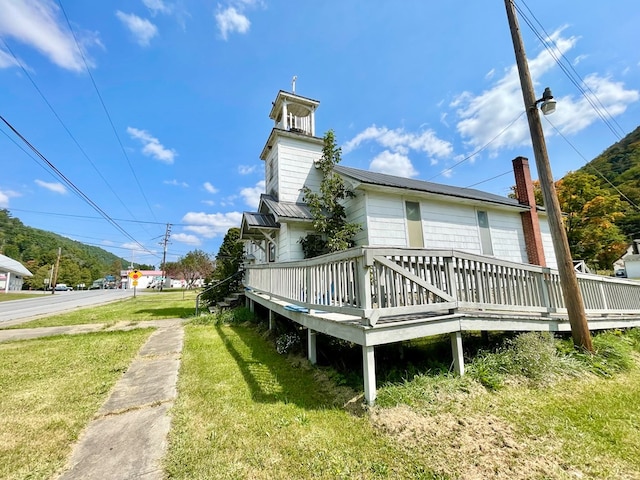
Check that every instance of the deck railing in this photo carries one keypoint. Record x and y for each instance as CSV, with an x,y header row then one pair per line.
x,y
374,282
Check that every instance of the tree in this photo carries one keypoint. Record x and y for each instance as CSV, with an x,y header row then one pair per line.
x,y
591,213
333,232
226,277
193,266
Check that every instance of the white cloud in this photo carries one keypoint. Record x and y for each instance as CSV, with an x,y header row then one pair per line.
x,y
186,238
575,115
157,6
246,169
37,23
211,203
393,164
402,142
209,225
5,195
141,28
176,183
484,117
251,195
230,20
210,188
55,187
152,146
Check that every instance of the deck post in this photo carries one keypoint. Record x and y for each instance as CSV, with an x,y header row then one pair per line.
x,y
251,305
272,316
369,371
311,343
456,348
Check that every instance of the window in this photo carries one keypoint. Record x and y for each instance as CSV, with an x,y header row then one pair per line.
x,y
272,252
414,224
485,233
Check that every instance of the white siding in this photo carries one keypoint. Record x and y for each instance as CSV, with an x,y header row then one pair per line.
x,y
632,268
507,236
356,209
547,243
296,168
271,166
449,225
386,223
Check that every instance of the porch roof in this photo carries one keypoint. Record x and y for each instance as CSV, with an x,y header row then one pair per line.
x,y
381,179
285,210
255,224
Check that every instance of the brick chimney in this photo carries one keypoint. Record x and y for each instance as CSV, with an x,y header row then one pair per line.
x,y
530,221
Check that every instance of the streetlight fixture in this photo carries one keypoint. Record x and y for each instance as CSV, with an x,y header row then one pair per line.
x,y
568,279
547,103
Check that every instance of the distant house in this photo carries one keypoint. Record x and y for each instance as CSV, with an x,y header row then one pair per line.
x,y
393,211
12,274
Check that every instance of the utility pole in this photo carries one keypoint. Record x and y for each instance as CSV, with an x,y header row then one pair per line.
x,y
568,279
55,272
164,244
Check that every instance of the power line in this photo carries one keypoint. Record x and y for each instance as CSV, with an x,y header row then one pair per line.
x,y
546,41
489,179
55,114
468,157
71,185
589,165
106,111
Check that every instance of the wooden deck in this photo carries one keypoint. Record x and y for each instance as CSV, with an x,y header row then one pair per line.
x,y
373,296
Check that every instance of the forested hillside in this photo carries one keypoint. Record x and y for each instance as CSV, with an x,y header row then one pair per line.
x,y
620,165
37,250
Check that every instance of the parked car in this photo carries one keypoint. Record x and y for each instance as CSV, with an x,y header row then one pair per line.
x,y
62,287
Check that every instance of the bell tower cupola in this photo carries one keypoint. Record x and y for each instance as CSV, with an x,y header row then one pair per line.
x,y
292,147
293,113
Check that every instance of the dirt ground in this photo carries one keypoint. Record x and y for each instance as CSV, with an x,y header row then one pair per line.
x,y
471,447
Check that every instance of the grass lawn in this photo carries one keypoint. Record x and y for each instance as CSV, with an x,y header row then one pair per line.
x,y
244,411
6,297
50,389
149,306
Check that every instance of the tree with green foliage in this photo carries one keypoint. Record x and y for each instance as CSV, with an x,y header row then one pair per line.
x,y
333,232
591,213
591,217
36,249
227,275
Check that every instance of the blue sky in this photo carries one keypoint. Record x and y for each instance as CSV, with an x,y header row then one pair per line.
x,y
157,110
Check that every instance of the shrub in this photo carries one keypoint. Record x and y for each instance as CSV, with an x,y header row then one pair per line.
x,y
287,342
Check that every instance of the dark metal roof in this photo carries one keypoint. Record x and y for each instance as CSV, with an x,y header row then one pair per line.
x,y
285,210
374,178
259,220
255,224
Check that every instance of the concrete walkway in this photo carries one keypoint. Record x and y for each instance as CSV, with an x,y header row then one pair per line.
x,y
128,436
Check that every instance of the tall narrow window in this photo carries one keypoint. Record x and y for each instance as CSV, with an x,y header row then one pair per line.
x,y
485,233
414,224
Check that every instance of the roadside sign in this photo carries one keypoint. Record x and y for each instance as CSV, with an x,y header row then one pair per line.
x,y
135,274
134,283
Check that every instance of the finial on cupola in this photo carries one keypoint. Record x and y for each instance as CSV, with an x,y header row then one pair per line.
x,y
293,84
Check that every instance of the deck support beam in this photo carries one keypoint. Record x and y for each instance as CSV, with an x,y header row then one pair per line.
x,y
311,344
272,316
369,373
456,349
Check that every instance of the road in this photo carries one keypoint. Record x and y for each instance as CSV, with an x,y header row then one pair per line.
x,y
16,311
